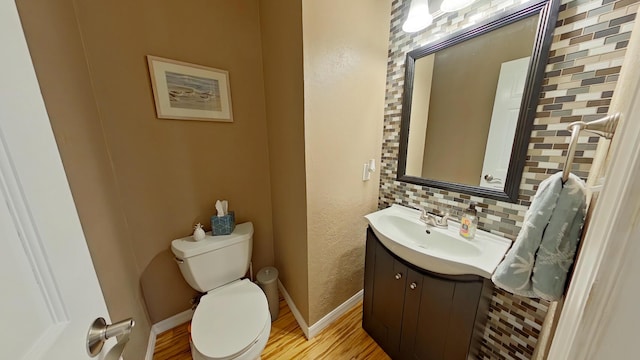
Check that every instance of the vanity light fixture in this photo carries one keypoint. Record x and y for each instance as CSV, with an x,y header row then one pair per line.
x,y
419,16
454,5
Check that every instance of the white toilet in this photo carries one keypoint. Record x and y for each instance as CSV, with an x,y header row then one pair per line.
x,y
232,320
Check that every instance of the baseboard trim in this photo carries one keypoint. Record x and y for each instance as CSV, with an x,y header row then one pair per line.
x,y
311,331
172,322
163,326
294,310
151,345
331,317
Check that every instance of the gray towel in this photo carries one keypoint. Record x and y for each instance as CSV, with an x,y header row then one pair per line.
x,y
538,262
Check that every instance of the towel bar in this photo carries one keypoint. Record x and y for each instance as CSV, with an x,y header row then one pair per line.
x,y
604,127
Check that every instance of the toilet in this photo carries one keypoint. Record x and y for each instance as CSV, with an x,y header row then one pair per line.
x,y
232,320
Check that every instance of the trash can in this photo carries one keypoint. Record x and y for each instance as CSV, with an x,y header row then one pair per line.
x,y
268,282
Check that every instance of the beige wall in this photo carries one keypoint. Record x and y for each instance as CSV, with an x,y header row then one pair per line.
x,y
56,49
281,26
462,100
324,123
170,172
345,54
155,178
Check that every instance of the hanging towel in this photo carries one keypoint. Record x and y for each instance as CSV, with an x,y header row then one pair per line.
x,y
538,262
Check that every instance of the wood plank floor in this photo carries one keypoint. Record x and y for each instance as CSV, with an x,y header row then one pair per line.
x,y
344,339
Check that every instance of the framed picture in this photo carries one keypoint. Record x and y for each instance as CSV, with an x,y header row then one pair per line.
x,y
189,92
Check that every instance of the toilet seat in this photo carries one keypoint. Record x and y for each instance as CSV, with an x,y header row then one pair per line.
x,y
229,320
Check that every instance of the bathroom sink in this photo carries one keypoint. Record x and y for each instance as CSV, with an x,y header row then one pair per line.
x,y
435,249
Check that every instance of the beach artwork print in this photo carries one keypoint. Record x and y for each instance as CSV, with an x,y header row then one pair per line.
x,y
193,92
186,91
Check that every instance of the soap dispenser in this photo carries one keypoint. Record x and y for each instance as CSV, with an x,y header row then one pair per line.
x,y
469,222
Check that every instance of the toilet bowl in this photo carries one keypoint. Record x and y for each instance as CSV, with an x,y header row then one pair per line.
x,y
232,320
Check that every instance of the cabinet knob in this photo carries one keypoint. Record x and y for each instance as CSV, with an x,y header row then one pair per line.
x,y
398,276
413,285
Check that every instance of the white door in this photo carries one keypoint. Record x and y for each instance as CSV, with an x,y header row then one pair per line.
x,y
50,293
504,118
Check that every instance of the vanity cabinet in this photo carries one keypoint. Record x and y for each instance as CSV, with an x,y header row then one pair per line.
x,y
416,314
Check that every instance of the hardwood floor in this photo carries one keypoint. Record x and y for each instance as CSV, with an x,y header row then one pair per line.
x,y
344,339
173,344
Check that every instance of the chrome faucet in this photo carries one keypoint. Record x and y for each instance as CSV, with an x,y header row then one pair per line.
x,y
431,219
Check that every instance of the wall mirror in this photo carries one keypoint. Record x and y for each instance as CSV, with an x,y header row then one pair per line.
x,y
469,102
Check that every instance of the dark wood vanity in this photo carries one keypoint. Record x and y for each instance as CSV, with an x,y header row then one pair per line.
x,y
413,313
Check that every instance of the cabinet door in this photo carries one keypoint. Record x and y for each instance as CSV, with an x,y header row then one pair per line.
x,y
385,280
462,321
426,317
439,317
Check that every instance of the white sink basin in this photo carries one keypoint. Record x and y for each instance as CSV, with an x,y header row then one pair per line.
x,y
438,250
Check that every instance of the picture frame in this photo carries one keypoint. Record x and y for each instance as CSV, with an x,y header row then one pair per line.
x,y
187,91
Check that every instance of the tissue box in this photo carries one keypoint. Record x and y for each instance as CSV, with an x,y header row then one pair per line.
x,y
223,225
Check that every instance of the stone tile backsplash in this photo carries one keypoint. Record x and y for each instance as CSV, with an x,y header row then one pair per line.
x,y
585,58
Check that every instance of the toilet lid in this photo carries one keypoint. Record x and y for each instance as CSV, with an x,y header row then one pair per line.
x,y
229,319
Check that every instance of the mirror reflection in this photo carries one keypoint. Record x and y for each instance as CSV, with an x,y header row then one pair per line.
x,y
466,104
466,126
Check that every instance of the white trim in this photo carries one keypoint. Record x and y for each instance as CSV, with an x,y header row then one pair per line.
x,y
294,310
151,346
170,323
331,317
311,331
164,325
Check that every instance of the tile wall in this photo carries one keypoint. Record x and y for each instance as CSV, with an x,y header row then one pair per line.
x,y
588,47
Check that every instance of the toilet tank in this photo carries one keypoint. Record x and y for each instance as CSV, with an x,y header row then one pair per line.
x,y
216,260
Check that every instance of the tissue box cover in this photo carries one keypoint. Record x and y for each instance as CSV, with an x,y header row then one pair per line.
x,y
223,225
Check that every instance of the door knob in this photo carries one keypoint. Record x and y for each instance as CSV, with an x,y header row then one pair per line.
x,y
99,332
490,178
413,286
398,276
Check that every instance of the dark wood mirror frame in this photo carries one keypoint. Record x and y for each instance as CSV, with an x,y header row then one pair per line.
x,y
548,11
